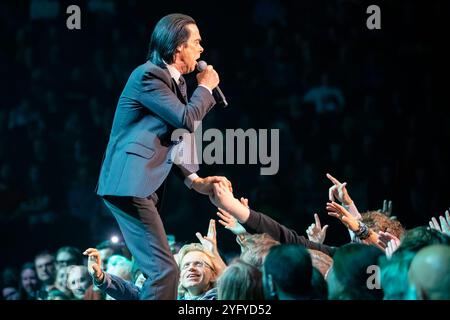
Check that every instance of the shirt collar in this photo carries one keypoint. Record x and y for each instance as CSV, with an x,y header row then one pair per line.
x,y
174,73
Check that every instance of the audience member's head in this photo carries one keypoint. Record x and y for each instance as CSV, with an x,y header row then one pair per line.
x,y
9,284
319,285
378,221
61,282
350,276
394,271
287,273
240,281
108,248
255,247
120,266
68,256
429,274
198,273
78,280
29,282
394,274
45,267
420,237
321,261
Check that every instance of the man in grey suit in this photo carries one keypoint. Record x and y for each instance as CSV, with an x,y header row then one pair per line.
x,y
139,154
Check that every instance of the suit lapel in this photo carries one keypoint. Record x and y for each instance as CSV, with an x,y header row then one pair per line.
x,y
164,75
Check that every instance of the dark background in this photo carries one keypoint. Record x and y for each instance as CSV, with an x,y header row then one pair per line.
x,y
388,138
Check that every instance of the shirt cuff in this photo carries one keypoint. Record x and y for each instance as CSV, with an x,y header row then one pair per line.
x,y
202,85
189,180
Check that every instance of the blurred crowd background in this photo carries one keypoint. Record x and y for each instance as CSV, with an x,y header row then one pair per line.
x,y
360,104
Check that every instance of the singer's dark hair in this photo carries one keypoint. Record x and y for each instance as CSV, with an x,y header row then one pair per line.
x,y
170,32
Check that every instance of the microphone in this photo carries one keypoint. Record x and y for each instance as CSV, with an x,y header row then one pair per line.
x,y
217,93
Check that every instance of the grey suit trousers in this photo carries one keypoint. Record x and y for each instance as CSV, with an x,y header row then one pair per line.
x,y
143,231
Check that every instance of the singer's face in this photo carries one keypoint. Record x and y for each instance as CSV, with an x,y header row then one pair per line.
x,y
189,52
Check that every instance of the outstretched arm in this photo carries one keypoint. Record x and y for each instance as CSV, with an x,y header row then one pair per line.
x,y
260,223
366,234
112,285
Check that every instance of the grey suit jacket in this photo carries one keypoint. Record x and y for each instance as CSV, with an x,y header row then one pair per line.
x,y
138,156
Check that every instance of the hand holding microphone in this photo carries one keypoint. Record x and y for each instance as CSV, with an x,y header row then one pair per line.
x,y
207,76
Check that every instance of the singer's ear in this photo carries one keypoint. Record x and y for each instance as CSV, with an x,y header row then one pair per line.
x,y
181,46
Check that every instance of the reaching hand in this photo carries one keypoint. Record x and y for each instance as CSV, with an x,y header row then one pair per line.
x,y
223,198
385,237
205,185
444,227
315,231
210,241
230,222
387,209
338,191
94,264
338,211
392,246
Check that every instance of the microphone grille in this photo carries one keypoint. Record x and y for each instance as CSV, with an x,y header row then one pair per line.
x,y
201,65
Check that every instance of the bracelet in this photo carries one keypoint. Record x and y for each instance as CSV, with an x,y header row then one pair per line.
x,y
363,232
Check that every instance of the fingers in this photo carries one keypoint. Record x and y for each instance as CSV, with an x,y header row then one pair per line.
x,y
382,239
310,230
443,222
447,216
389,208
388,235
388,252
217,188
224,181
333,206
430,223
223,185
211,240
225,224
89,251
324,229
331,193
230,187
341,188
244,201
212,229
199,236
334,214
225,216
390,248
436,224
384,206
316,218
333,179
381,244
